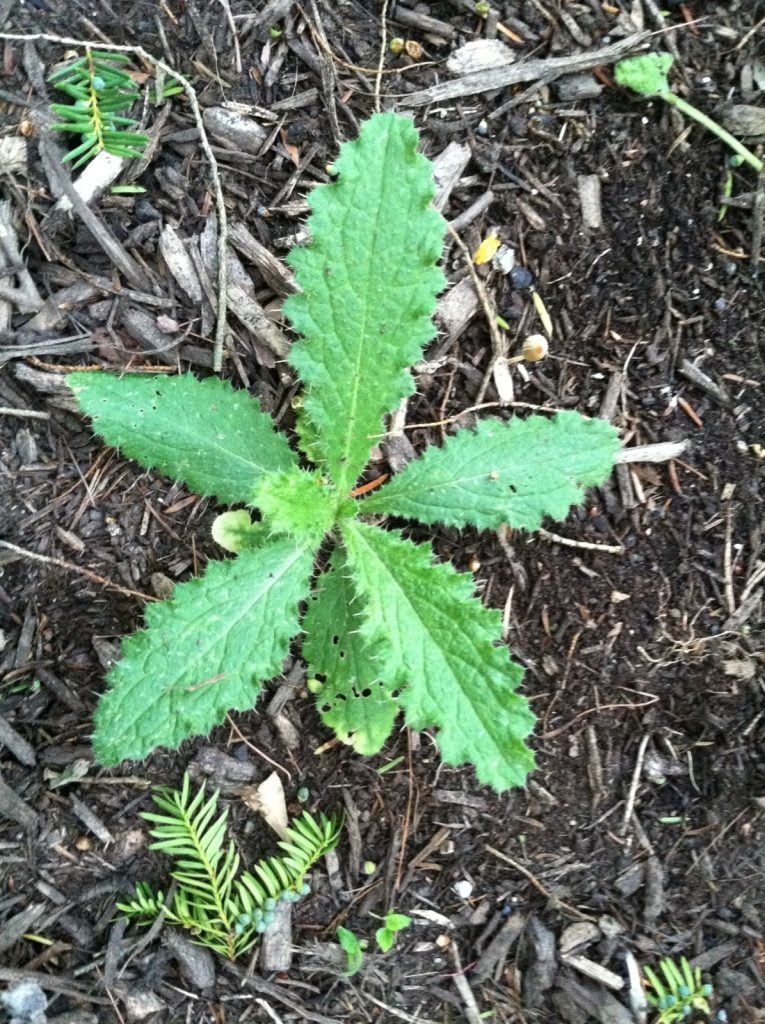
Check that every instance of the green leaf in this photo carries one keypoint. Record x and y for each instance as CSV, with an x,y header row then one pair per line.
x,y
397,922
385,938
515,472
353,950
235,531
203,432
369,283
204,652
646,75
352,699
440,646
296,503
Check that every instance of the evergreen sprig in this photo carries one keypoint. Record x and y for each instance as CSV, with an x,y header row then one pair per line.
x,y
223,908
678,993
101,89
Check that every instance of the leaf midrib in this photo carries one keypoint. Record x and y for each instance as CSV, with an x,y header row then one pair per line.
x,y
350,434
428,633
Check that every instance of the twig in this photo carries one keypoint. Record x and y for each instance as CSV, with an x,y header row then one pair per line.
x,y
472,1013
30,414
270,1011
383,46
71,567
538,885
586,545
498,343
232,25
523,71
634,784
256,750
730,599
138,51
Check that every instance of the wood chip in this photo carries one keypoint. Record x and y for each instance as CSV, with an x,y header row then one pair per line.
x,y
248,310
179,263
13,807
448,168
456,308
274,272
19,925
492,960
234,128
589,199
593,970
18,746
479,55
581,933
91,821
276,944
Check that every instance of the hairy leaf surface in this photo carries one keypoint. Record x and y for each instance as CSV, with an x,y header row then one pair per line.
x,y
297,503
369,284
353,700
514,472
203,432
440,645
203,653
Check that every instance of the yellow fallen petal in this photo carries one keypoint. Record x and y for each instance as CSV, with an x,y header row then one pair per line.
x,y
487,250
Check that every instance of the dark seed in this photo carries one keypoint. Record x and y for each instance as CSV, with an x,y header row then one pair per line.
x,y
521,278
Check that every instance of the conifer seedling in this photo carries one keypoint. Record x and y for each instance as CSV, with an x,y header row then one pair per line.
x,y
388,628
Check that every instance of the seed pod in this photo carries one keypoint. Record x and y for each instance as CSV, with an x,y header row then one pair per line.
x,y
413,49
535,347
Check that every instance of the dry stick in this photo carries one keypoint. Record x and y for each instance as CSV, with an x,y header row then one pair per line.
x,y
232,26
730,599
498,344
383,45
71,567
472,1013
255,749
585,545
138,51
31,414
630,805
548,895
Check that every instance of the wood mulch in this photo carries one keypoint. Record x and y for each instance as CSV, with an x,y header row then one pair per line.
x,y
642,833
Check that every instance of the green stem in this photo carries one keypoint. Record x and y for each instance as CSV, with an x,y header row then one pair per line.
x,y
730,140
95,100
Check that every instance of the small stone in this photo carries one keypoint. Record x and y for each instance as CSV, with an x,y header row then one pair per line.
x,y
463,888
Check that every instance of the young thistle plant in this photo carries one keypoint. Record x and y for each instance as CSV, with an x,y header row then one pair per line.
x,y
387,627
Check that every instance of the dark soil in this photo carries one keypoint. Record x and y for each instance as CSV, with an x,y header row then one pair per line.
x,y
644,824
